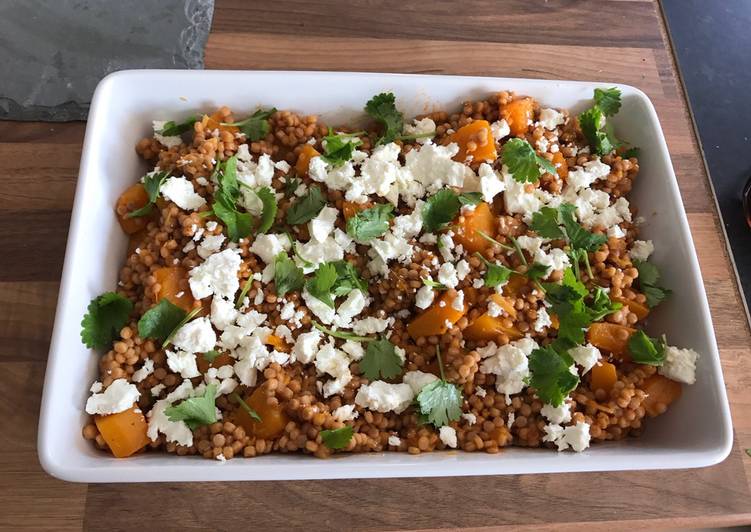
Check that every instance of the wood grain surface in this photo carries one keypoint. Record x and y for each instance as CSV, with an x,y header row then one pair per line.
x,y
617,40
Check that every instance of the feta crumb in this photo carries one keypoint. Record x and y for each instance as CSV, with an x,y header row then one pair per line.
x,y
322,225
168,141
550,119
417,380
679,365
180,191
494,309
394,441
217,275
510,365
183,363
458,302
557,414
480,391
543,320
196,336
500,129
586,356
268,246
384,397
306,347
470,418
424,297
156,390
510,420
210,245
371,325
96,387
491,183
419,128
345,413
642,249
354,349
144,371
447,275
282,166
576,436
448,436
118,397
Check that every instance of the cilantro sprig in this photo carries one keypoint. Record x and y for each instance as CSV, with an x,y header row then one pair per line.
x,y
256,126
646,350
382,107
195,411
344,335
339,148
105,316
550,375
270,207
560,223
370,223
287,276
381,360
347,279
307,207
440,402
433,284
173,129
649,283
443,206
152,182
593,123
337,438
523,163
238,224
608,100
321,284
160,320
495,274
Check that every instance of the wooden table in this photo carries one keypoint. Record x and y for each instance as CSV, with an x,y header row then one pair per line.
x,y
619,40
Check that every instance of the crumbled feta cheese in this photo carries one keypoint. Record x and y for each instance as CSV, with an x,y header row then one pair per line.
x,y
616,232
494,309
174,431
384,397
353,349
96,387
253,174
424,297
586,356
510,365
268,246
447,275
470,418
210,245
557,414
118,397
394,441
144,371
196,336
315,253
322,225
480,391
434,168
446,246
458,301
576,436
642,249
462,269
156,390
428,238
583,177
180,191
419,128
679,365
542,144
500,129
478,283
510,420
491,183
217,275
351,307
190,246
448,436
417,380
543,320
345,413
223,313
168,141
282,166
371,325
550,118
306,346
322,311
336,363
183,363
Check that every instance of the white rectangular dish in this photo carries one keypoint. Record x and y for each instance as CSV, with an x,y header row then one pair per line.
x,y
695,432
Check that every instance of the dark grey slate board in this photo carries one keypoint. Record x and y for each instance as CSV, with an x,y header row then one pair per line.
x,y
54,52
712,43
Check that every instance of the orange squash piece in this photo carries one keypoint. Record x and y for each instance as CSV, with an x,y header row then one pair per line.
x,y
303,160
611,337
173,285
436,319
514,285
222,359
603,376
210,123
350,208
486,328
132,199
277,343
480,219
273,418
475,140
661,392
561,166
641,310
518,113
124,432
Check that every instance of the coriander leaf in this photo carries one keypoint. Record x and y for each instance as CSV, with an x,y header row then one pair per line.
x,y
546,224
631,152
608,100
291,184
495,274
173,129
160,320
252,413
195,411
209,356
227,179
649,278
243,292
598,132
287,276
440,402
523,163
381,360
382,107
578,237
106,315
268,199
338,149
567,302
337,438
307,207
550,375
370,223
238,224
470,198
152,182
321,284
433,284
256,126
347,279
537,271
646,350
344,335
601,305
440,209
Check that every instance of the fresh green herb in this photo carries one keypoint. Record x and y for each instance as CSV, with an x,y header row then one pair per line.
x,y
321,284
546,223
492,240
495,274
433,284
646,350
195,411
287,276
238,224
523,163
268,199
370,223
347,279
244,292
152,182
252,413
518,250
210,356
560,223
339,148
577,256
173,129
608,100
550,375
631,152
440,402
382,107
337,438
344,335
443,206
206,214
189,316
106,315
381,360
601,305
256,126
567,302
291,184
649,278
160,320
307,207
537,271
